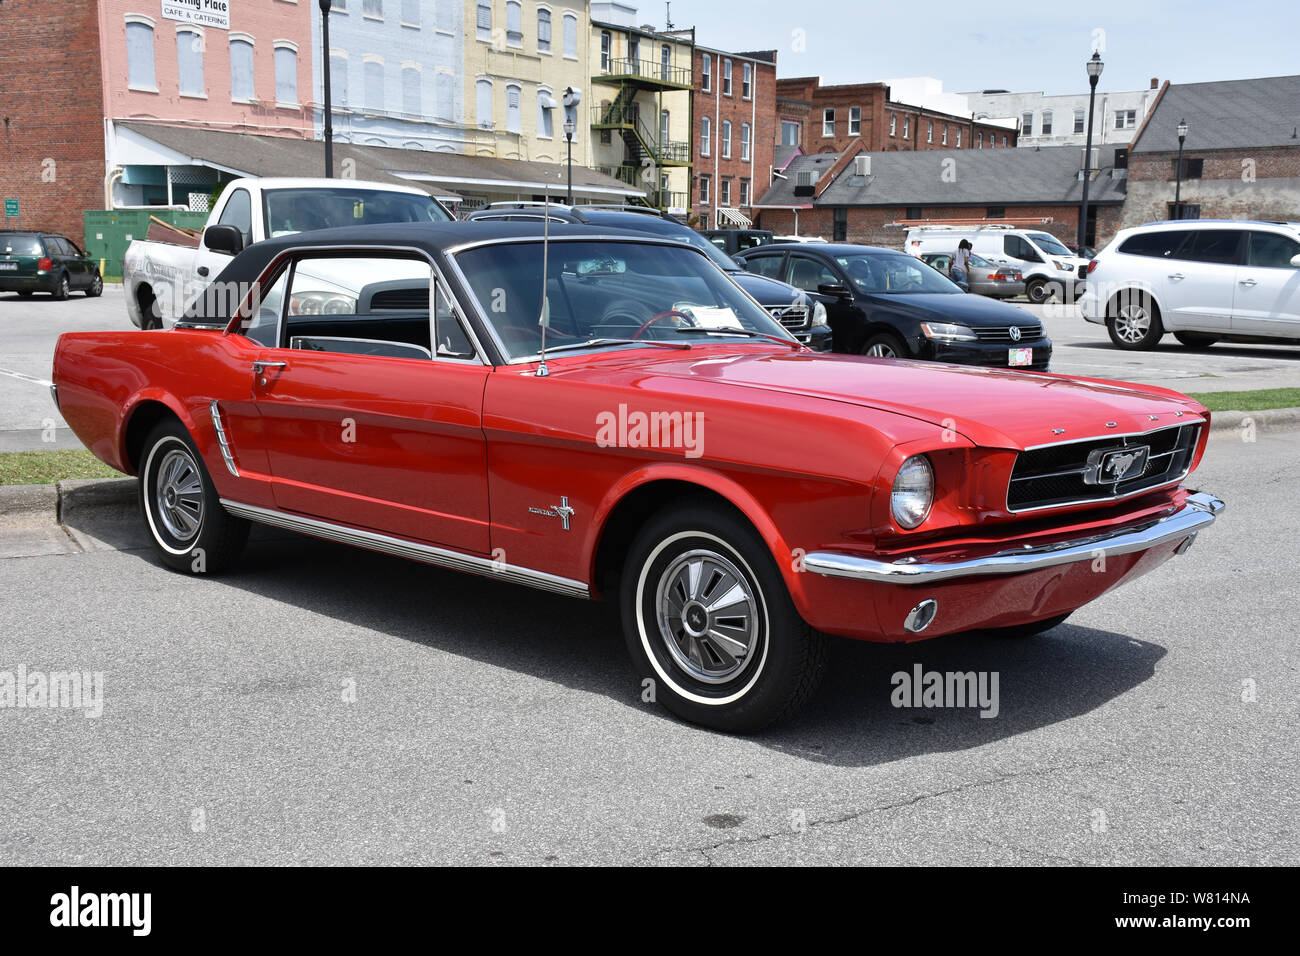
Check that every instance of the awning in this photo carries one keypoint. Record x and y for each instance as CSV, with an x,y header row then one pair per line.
x,y
728,214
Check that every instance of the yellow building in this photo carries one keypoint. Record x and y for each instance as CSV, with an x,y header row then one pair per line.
x,y
519,58
640,105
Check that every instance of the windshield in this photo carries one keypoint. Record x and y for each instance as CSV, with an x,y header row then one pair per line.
x,y
606,290
1049,244
893,274
300,210
19,245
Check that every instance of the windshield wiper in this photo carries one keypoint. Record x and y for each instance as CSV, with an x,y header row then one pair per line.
x,y
749,333
592,342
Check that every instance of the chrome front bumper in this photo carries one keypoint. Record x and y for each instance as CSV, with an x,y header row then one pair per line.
x,y
1183,525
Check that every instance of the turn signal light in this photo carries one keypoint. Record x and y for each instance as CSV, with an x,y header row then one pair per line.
x,y
1092,267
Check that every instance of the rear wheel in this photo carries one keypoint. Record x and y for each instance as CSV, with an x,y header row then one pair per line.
x,y
1133,321
709,621
96,286
61,290
1195,340
190,530
25,293
150,316
884,345
1041,290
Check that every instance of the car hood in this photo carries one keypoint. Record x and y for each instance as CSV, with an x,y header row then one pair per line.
x,y
767,291
994,408
973,310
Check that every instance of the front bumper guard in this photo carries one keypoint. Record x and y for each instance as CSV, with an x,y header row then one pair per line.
x,y
1197,513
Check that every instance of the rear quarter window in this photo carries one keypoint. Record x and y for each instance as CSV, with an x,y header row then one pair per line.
x,y
764,265
1163,244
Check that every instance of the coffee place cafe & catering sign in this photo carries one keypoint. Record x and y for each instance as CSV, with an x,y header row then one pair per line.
x,y
204,13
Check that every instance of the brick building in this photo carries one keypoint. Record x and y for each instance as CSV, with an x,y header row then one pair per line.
x,y
1241,157
859,196
735,135
826,119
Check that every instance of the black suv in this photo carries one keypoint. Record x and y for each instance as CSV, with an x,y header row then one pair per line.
x,y
887,304
802,316
46,262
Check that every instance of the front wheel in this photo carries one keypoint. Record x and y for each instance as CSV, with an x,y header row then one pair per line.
x,y
1133,321
710,624
190,530
96,286
884,345
1040,290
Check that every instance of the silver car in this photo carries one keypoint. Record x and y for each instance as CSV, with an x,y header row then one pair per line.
x,y
985,278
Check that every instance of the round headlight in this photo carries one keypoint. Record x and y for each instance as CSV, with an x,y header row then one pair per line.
x,y
913,492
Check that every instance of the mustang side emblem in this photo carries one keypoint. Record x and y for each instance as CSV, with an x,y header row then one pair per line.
x,y
1014,332
1113,465
561,511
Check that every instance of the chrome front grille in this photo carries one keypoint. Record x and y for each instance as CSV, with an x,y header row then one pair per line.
x,y
1065,474
793,317
1028,333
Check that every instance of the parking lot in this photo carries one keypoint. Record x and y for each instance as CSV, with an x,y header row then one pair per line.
x,y
326,705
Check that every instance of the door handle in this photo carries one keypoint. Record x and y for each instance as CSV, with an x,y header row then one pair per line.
x,y
1177,276
259,369
1249,282
202,270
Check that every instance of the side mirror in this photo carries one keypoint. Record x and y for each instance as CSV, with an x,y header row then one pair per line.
x,y
836,289
226,239
1295,261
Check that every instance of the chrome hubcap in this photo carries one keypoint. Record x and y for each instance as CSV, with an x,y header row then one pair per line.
x,y
708,615
179,496
1132,323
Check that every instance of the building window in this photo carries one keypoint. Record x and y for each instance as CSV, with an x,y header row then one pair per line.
x,y
724,192
706,73
995,212
979,140
747,81
1004,141
570,35
1192,168
372,75
139,54
338,82
544,34
1047,123
241,70
411,12
514,24
484,20
706,135
912,212
789,133
189,61
1079,117
828,122
744,141
372,8
483,96
514,120
704,189
411,106
929,131
726,139
1125,119
545,116
855,120
604,50
726,77
840,224
943,135
1026,124
744,192
704,220
959,137
286,72
444,95
1187,210
663,126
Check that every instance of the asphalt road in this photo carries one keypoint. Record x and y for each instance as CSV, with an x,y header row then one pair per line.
x,y
29,329
495,725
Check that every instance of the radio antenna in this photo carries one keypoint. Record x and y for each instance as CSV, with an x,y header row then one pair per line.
x,y
544,319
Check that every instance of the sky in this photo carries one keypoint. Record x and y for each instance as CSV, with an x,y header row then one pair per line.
x,y
1009,45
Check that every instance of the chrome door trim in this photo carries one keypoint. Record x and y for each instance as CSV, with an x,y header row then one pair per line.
x,y
412,550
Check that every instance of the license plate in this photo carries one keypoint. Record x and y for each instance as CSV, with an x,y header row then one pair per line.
x,y
1020,357
8,267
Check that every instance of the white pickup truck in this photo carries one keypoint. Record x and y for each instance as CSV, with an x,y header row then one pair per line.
x,y
161,278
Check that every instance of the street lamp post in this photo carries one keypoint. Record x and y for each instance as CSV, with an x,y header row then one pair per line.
x,y
325,75
1095,67
572,97
1178,181
569,129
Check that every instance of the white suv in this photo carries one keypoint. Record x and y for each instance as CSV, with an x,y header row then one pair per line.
x,y
1203,280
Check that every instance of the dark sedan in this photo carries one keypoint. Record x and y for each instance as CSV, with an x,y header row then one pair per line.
x,y
887,304
46,262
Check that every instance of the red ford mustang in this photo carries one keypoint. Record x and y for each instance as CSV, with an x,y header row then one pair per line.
x,y
634,426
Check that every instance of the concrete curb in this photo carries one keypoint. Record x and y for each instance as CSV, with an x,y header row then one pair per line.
x,y
1268,418
69,498
29,499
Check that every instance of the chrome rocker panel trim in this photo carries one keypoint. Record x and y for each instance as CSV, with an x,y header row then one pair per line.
x,y
401,548
1197,514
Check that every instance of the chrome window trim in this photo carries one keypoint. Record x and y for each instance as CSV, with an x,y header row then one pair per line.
x,y
289,258
452,252
427,355
412,550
